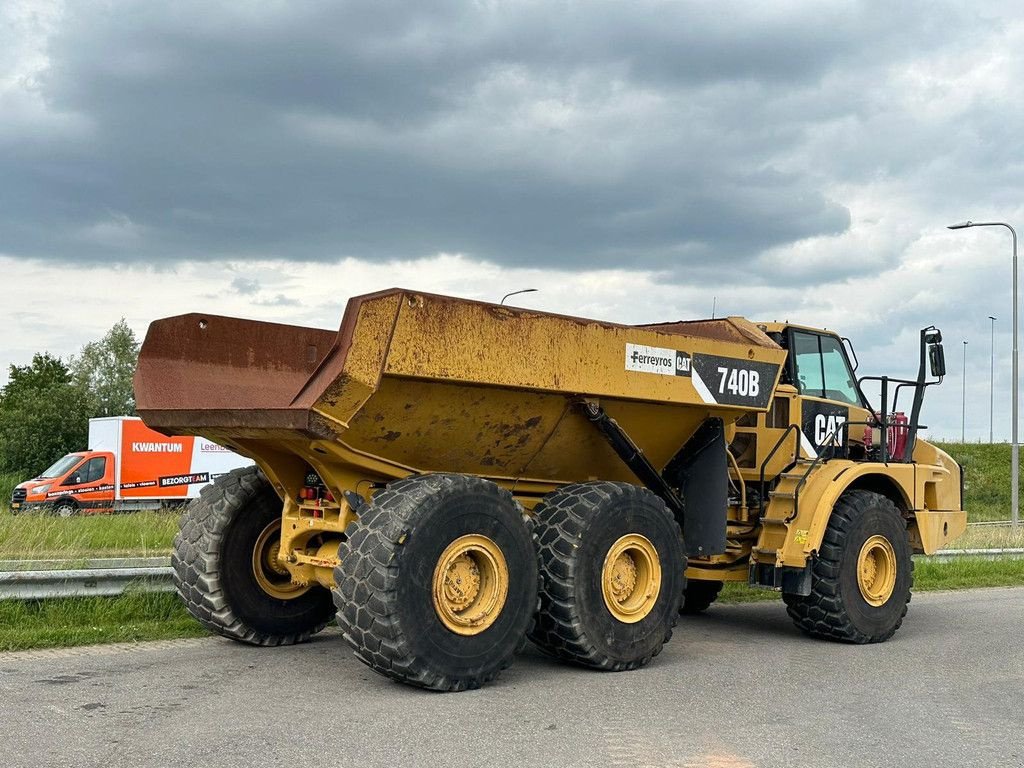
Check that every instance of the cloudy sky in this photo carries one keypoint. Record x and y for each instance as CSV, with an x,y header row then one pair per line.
x,y
636,162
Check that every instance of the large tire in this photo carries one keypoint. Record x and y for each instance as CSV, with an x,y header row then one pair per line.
x,y
838,607
394,562
699,595
214,571
579,529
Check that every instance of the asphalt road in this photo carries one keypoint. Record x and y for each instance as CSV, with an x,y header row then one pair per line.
x,y
738,687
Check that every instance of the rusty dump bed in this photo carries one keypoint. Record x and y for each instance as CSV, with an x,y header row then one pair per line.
x,y
414,382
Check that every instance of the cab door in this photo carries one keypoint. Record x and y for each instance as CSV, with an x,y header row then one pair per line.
x,y
91,484
829,395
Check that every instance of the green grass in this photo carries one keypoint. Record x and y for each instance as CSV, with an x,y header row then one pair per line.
x,y
88,620
987,478
967,573
41,536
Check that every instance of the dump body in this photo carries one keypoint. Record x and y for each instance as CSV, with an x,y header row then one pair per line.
x,y
414,382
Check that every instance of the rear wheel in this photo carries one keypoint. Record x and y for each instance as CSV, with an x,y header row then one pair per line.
x,y
612,574
226,569
699,595
437,584
863,574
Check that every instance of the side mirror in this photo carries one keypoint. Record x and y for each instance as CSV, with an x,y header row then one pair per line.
x,y
937,360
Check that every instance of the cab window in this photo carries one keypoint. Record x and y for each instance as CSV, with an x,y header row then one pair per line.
x,y
95,470
822,369
89,472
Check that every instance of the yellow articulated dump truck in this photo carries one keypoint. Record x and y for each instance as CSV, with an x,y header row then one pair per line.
x,y
450,478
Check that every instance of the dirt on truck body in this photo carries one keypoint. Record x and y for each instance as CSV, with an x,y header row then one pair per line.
x,y
450,478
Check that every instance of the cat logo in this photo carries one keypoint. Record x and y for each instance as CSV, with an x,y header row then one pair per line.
x,y
828,427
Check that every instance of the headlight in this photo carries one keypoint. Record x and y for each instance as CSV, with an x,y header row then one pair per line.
x,y
41,488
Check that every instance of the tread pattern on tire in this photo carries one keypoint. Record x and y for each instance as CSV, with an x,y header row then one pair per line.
x,y
368,580
822,614
699,595
196,558
559,525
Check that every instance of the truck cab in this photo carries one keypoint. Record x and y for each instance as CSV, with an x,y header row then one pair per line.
x,y
78,482
820,436
831,400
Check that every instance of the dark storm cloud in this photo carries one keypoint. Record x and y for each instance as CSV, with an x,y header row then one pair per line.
x,y
648,135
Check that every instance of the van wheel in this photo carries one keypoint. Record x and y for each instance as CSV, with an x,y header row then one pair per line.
x,y
226,570
612,574
863,574
437,584
65,508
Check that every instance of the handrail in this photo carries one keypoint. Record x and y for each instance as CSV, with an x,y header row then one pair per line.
x,y
817,460
768,458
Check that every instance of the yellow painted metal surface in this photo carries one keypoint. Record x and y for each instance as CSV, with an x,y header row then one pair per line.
x,y
488,390
876,570
934,529
470,584
631,578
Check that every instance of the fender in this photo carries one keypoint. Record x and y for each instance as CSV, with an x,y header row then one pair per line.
x,y
928,529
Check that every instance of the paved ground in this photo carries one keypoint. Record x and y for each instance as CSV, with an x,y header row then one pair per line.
x,y
739,687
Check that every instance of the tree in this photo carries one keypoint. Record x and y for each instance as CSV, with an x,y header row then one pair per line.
x,y
45,407
104,370
41,416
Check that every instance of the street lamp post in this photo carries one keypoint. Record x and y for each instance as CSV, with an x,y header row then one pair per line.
x,y
515,293
1015,449
963,398
991,376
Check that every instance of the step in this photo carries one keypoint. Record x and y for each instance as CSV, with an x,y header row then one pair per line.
x,y
793,475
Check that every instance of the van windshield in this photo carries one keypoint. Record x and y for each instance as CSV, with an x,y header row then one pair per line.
x,y
62,466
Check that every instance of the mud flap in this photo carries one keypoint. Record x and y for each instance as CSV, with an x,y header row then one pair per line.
x,y
700,471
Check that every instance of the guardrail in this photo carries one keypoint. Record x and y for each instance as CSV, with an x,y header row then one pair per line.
x,y
108,577
1005,553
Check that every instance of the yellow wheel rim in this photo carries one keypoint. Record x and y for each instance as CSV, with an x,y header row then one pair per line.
x,y
876,570
631,578
273,577
470,584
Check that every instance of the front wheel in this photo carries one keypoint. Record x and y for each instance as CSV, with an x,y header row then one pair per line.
x,y
863,574
65,508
